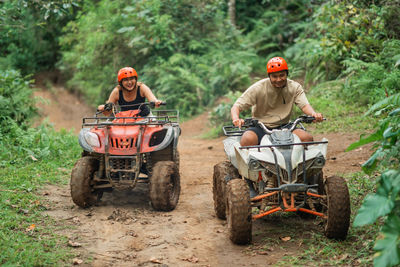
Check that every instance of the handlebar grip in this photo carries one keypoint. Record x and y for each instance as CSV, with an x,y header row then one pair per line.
x,y
108,106
153,104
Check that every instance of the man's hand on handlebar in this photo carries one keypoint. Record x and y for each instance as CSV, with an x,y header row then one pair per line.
x,y
238,122
318,117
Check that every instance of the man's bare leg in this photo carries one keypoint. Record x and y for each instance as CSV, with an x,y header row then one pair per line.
x,y
303,135
249,138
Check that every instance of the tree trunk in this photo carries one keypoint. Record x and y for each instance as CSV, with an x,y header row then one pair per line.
x,y
232,12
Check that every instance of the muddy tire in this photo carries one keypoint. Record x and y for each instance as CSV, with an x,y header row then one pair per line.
x,y
81,178
238,211
167,154
164,186
337,208
221,171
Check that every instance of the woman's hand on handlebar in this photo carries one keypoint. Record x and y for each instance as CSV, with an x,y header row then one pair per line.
x,y
100,108
158,103
105,109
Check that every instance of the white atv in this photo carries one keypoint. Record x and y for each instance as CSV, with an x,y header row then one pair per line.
x,y
281,174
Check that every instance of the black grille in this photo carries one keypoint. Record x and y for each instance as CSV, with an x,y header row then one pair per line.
x,y
122,164
121,143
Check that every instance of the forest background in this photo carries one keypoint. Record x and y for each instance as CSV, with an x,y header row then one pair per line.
x,y
191,53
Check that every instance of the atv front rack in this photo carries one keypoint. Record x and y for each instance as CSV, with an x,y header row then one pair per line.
x,y
161,117
231,130
284,191
284,145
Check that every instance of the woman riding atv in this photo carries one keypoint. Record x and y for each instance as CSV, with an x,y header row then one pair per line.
x,y
129,93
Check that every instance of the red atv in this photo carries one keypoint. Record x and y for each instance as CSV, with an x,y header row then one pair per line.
x,y
118,149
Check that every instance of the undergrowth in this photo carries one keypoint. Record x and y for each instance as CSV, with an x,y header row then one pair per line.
x,y
27,236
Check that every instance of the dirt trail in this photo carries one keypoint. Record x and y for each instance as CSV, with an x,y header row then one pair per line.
x,y
123,230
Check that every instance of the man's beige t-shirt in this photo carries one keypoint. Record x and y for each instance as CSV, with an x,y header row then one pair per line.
x,y
270,105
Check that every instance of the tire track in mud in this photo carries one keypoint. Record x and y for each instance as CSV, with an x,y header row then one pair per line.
x,y
123,229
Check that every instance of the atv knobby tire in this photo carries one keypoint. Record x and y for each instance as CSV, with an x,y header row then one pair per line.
x,y
222,171
337,209
81,178
238,211
167,154
164,186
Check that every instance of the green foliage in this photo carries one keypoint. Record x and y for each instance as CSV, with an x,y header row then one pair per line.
x,y
28,160
340,31
340,115
15,99
29,32
385,203
369,82
221,114
272,25
386,136
174,45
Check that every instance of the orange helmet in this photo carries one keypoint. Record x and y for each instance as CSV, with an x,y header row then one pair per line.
x,y
126,73
276,64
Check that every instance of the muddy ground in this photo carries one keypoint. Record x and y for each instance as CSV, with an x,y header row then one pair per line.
x,y
123,230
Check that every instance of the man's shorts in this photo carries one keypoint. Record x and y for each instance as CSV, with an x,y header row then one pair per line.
x,y
260,131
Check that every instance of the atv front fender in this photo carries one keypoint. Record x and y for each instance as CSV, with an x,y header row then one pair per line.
x,y
171,135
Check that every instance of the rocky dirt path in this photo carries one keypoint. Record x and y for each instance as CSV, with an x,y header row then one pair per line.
x,y
123,230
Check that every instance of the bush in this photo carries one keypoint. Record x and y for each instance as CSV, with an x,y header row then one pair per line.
x,y
340,31
385,203
16,100
369,82
30,31
174,45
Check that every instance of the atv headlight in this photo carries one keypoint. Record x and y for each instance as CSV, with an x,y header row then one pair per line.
x,y
255,165
319,161
92,139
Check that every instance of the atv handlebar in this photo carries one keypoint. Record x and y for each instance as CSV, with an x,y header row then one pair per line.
x,y
250,122
110,106
303,118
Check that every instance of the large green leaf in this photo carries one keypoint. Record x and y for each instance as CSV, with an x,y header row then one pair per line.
x,y
373,207
386,183
388,133
388,248
372,138
393,99
394,112
370,164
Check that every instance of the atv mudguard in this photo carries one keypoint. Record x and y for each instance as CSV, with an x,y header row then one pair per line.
x,y
171,135
240,158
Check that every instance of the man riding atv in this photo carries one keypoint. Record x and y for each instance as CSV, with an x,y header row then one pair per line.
x,y
273,166
272,100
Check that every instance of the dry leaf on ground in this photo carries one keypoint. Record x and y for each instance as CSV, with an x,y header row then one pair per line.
x,y
30,228
77,261
74,244
192,259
